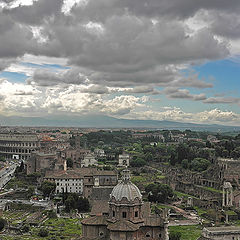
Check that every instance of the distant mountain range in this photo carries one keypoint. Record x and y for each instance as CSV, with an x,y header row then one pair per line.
x,y
99,121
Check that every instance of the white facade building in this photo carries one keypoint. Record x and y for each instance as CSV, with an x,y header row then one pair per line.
x,y
70,185
99,152
67,181
88,160
123,160
221,233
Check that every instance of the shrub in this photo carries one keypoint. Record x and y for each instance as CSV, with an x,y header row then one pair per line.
x,y
43,232
2,223
175,236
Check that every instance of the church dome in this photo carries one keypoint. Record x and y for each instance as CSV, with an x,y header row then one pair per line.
x,y
126,189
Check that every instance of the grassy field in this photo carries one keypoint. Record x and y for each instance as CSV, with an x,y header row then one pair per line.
x,y
180,194
58,228
187,232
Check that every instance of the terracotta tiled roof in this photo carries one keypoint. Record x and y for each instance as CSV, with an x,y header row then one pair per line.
x,y
153,221
64,175
123,226
99,207
79,173
97,238
96,220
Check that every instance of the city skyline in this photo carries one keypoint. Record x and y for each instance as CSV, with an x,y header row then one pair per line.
x,y
175,60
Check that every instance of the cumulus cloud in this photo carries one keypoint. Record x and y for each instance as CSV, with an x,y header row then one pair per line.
x,y
217,115
122,105
224,100
115,49
141,89
98,89
176,114
172,92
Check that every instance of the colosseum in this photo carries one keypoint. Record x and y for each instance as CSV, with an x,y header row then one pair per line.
x,y
18,146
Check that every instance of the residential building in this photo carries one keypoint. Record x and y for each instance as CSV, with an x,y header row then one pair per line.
x,y
82,180
89,160
123,160
99,153
67,181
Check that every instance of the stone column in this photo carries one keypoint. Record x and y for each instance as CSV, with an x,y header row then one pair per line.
x,y
223,203
231,197
227,202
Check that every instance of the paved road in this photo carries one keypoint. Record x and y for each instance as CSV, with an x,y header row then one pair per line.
x,y
7,173
45,204
191,219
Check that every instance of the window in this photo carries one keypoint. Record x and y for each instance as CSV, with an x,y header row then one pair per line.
x,y
148,235
136,214
113,213
124,214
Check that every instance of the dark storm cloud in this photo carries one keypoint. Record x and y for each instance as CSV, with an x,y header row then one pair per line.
x,y
180,9
15,39
36,13
122,46
42,77
226,25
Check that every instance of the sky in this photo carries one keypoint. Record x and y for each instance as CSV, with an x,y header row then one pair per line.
x,y
176,60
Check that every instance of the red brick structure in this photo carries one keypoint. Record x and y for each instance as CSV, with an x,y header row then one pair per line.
x,y
128,218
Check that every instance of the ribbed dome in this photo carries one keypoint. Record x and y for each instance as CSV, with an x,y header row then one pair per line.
x,y
126,189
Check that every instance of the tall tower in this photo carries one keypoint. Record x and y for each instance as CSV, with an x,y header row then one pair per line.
x,y
78,142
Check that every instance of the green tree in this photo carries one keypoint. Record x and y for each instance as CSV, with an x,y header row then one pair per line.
x,y
185,164
173,158
70,203
158,192
225,153
2,223
138,162
30,191
200,164
69,163
26,228
148,157
43,232
182,152
83,204
47,187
